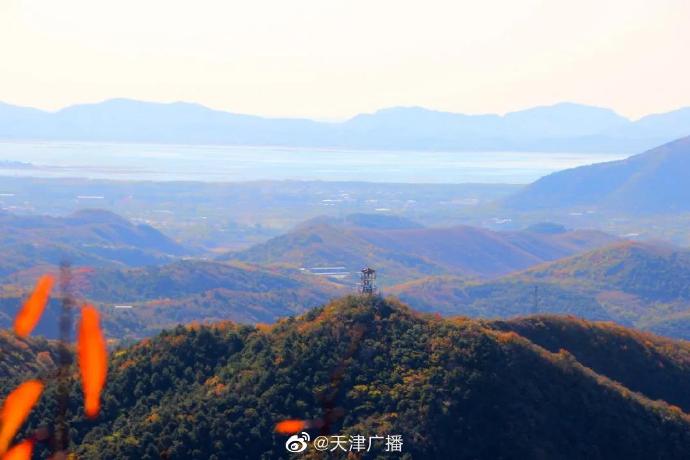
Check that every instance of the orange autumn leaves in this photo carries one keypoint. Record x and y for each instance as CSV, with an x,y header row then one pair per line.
x,y
290,426
21,451
31,312
91,350
16,409
92,359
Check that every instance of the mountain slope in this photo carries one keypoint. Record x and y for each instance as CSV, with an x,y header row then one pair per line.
x,y
638,284
653,182
654,366
369,366
502,298
409,253
560,127
139,302
25,357
87,237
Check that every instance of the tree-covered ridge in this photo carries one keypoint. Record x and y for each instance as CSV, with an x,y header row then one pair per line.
x,y
635,284
182,292
183,278
453,388
20,357
407,253
502,298
648,270
654,366
90,237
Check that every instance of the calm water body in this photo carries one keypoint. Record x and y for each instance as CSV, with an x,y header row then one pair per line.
x,y
233,164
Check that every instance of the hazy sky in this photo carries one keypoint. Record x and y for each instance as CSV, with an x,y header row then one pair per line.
x,y
334,58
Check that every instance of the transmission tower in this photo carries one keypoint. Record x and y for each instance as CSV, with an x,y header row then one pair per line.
x,y
367,284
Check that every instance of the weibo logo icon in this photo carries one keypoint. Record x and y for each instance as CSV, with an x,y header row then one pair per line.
x,y
297,442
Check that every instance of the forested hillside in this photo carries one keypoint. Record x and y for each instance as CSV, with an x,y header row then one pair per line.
x,y
654,366
88,237
635,284
365,365
139,302
22,357
403,254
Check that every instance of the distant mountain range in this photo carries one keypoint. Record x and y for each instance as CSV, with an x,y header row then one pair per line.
x,y
403,250
537,388
652,182
635,284
562,127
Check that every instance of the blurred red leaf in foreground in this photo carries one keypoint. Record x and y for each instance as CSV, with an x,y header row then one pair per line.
x,y
31,311
290,426
21,451
16,409
93,359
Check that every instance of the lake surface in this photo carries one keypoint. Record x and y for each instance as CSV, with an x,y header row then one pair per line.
x,y
233,164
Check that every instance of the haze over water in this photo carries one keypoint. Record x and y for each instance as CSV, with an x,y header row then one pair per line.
x,y
164,162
